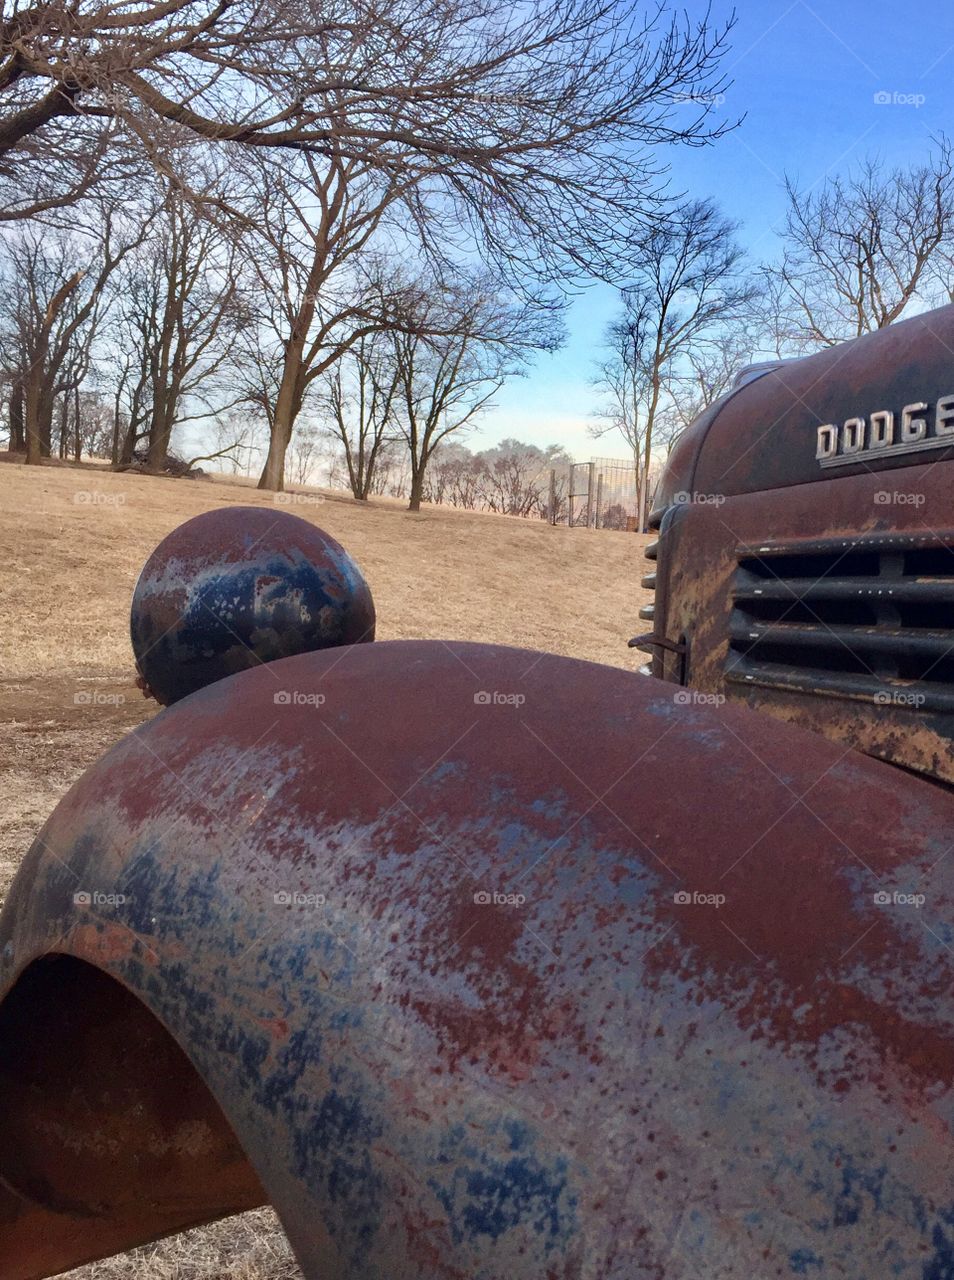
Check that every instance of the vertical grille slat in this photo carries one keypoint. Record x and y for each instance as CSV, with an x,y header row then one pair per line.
x,y
647,612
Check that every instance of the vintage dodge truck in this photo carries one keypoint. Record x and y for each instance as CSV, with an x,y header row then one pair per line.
x,y
805,558
482,964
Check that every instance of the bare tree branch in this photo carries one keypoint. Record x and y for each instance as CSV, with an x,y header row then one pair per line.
x,y
862,249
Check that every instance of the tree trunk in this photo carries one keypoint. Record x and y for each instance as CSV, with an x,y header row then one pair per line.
x,y
33,417
287,406
77,436
128,445
17,436
273,473
39,394
417,490
648,455
45,426
114,451
157,455
160,427
64,424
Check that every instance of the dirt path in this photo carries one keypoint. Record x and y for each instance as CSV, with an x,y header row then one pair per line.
x,y
51,730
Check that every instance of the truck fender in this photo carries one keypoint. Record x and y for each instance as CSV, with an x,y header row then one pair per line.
x,y
481,963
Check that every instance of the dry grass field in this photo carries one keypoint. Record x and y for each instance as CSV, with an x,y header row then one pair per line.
x,y
72,542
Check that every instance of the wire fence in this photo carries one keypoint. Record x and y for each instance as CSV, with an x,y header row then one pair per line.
x,y
600,494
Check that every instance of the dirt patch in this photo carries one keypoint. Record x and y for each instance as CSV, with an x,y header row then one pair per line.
x,y
51,729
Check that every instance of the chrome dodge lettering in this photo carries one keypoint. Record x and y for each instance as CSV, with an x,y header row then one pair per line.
x,y
885,434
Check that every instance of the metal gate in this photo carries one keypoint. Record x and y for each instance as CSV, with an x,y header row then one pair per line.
x,y
601,494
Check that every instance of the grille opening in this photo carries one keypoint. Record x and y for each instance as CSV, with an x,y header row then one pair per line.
x,y
813,659
930,562
836,564
859,660
858,613
928,617
940,670
847,622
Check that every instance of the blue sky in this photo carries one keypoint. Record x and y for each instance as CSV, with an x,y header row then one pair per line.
x,y
807,78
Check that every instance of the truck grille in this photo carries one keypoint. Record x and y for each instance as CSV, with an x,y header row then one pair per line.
x,y
870,619
647,612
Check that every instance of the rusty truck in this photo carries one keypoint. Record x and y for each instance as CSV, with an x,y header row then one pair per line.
x,y
477,963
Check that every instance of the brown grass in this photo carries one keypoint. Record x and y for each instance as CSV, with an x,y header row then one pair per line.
x,y
72,542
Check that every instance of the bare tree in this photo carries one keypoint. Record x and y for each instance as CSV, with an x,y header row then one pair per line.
x,y
181,309
92,423
688,288
544,130
709,372
39,277
233,439
359,401
305,455
454,349
433,131
51,306
861,249
515,477
318,286
68,392
455,476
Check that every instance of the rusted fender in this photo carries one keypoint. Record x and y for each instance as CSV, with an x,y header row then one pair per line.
x,y
492,964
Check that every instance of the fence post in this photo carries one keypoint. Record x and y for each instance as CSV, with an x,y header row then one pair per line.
x,y
599,498
590,468
551,503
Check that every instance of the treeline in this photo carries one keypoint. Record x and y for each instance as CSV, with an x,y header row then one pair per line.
x,y
510,478
207,207
243,223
